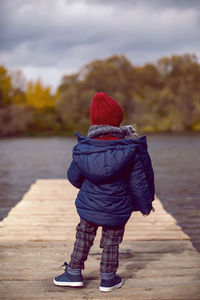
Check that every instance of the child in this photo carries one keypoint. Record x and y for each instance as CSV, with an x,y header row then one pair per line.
x,y
114,173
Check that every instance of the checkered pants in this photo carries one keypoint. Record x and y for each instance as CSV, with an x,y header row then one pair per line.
x,y
111,237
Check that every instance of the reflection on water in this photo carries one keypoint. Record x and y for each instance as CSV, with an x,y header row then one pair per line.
x,y
176,162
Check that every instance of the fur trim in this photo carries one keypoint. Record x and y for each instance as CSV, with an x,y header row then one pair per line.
x,y
119,132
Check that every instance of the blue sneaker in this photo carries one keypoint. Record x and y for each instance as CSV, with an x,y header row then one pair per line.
x,y
67,279
107,285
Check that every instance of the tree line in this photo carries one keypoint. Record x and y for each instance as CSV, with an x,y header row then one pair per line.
x,y
157,97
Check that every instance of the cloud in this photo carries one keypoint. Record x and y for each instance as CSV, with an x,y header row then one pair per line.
x,y
52,38
158,4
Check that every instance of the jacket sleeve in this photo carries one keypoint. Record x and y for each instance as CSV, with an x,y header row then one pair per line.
x,y
74,175
140,186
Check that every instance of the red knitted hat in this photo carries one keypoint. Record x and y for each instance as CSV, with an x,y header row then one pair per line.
x,y
105,111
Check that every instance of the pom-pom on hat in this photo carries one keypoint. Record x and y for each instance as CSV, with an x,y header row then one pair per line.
x,y
105,111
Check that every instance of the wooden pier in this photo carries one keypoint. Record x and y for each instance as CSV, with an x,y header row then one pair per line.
x,y
157,259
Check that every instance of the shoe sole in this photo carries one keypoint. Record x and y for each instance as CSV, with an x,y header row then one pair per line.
x,y
74,284
109,289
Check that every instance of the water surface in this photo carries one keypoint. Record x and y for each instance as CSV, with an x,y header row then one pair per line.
x,y
175,158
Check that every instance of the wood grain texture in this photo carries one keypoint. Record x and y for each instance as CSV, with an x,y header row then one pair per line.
x,y
157,259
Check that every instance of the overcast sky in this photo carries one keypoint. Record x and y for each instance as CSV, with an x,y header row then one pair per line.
x,y
50,38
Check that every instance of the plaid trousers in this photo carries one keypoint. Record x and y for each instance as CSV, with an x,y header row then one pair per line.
x,y
111,237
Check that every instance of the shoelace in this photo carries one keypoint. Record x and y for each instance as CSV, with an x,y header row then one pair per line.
x,y
64,265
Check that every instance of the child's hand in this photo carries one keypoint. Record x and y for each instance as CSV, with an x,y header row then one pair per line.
x,y
153,209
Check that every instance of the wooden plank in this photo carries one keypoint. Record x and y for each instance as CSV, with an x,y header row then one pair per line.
x,y
34,217
157,259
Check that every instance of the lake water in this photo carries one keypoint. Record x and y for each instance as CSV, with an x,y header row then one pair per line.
x,y
175,158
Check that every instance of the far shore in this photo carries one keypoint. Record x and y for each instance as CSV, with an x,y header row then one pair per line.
x,y
72,134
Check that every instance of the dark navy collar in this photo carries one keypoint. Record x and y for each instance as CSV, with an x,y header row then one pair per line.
x,y
142,140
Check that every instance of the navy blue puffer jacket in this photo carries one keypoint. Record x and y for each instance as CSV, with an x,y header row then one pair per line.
x,y
115,178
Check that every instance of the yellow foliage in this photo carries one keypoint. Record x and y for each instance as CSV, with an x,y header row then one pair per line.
x,y
38,96
5,86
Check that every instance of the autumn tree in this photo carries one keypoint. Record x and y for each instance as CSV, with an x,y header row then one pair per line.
x,y
38,96
5,87
181,75
161,96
